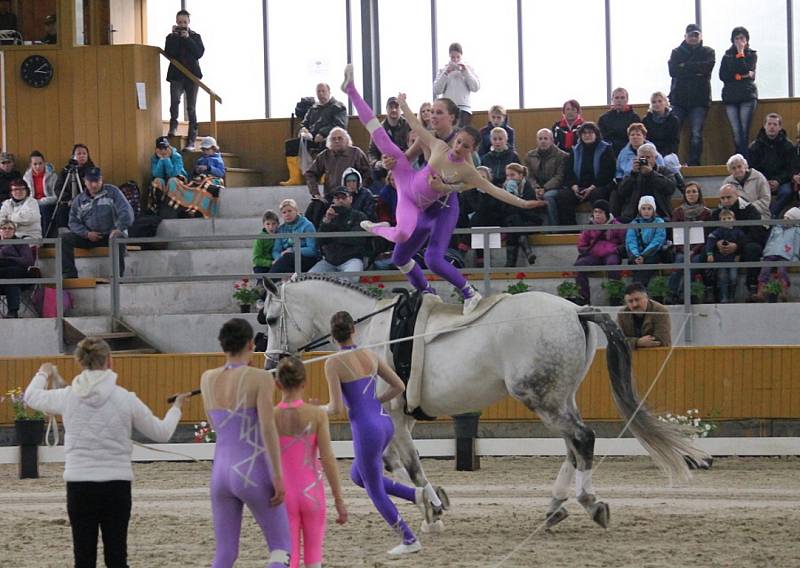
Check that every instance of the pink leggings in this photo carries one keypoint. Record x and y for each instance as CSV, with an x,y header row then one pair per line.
x,y
306,518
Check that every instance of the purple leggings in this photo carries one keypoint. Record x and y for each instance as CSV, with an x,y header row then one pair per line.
x,y
420,214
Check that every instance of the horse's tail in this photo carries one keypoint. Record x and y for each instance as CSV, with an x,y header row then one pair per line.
x,y
666,443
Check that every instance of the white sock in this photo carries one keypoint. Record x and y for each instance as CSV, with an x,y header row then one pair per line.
x,y
432,496
583,482
407,267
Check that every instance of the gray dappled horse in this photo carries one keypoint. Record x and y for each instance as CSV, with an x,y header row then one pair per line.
x,y
534,346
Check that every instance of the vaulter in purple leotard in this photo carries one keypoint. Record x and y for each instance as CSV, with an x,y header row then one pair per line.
x,y
427,204
247,460
352,376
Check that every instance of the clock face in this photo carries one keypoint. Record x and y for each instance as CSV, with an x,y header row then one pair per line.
x,y
37,71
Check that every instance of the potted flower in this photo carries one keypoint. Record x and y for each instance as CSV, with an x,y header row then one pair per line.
x,y
245,294
28,423
204,433
519,286
773,290
373,285
569,290
658,288
693,426
615,291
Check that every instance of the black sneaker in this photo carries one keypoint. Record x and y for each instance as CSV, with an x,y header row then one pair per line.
x,y
12,315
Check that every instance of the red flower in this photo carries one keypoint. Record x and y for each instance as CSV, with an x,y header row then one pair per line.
x,y
380,286
698,277
626,273
363,280
245,280
520,275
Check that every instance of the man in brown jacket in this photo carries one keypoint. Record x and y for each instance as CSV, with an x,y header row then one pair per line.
x,y
644,322
545,165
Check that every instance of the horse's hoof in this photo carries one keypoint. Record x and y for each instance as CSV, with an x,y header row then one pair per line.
x,y
556,517
433,528
601,514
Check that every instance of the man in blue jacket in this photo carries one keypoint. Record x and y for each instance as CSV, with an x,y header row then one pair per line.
x,y
97,215
185,46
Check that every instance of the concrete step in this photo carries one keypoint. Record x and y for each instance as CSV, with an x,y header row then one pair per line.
x,y
244,177
190,158
253,201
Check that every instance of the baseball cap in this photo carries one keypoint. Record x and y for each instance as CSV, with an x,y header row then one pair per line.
x,y
93,174
341,190
6,157
392,101
208,142
162,142
692,28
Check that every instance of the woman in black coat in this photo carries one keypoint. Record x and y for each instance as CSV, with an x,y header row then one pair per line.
x,y
739,92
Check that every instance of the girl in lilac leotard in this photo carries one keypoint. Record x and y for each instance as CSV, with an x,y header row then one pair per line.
x,y
352,376
247,465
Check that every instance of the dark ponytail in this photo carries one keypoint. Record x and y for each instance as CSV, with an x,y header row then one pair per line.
x,y
342,326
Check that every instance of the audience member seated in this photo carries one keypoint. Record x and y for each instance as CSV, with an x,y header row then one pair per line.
x,y
499,156
363,199
50,30
663,126
546,165
756,235
716,243
262,248
23,210
15,262
566,131
690,66
397,128
80,162
645,322
8,173
458,81
614,124
588,174
8,19
316,126
783,244
597,247
644,179
691,209
750,184
211,162
771,153
41,178
498,118
644,244
737,71
97,215
341,254
637,135
166,164
283,248
424,115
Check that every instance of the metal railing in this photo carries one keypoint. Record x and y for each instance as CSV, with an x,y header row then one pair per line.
x,y
486,271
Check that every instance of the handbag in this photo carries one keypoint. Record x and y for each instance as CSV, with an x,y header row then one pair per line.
x,y
44,300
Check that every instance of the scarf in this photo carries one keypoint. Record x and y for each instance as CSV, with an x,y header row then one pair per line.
x,y
692,212
569,130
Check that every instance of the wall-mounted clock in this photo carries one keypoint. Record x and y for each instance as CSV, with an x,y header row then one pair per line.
x,y
37,71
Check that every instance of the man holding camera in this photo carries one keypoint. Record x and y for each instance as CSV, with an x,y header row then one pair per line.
x,y
186,46
644,179
341,254
97,215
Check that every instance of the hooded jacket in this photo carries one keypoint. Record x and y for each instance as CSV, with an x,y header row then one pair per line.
x,y
600,243
497,161
457,86
50,181
98,419
664,132
166,168
363,200
784,241
648,240
214,163
106,211
734,72
187,50
772,157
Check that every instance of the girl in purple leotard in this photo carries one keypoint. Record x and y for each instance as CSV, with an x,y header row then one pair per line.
x,y
247,460
427,204
352,376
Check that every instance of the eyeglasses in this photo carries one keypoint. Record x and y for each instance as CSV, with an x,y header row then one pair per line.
x,y
5,162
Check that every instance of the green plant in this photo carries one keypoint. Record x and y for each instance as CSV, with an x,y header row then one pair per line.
x,y
696,427
658,287
519,286
21,410
698,288
569,289
614,288
244,293
773,287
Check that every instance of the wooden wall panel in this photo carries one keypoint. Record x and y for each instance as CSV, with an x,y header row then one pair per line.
x,y
726,382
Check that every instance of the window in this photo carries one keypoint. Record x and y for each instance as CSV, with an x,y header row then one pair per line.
x,y
304,52
564,52
639,49
766,22
488,34
405,44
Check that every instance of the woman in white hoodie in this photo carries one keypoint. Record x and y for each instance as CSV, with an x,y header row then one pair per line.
x,y
23,210
98,418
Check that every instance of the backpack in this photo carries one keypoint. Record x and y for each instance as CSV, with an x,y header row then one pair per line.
x,y
302,106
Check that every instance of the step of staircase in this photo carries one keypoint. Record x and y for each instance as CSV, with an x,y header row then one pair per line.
x,y
244,177
119,335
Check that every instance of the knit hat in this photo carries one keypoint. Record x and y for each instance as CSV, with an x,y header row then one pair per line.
x,y
793,214
647,200
602,204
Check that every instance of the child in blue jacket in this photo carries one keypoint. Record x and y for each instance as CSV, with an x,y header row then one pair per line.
x,y
644,245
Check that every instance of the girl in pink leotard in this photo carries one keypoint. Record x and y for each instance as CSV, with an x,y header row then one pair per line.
x,y
305,441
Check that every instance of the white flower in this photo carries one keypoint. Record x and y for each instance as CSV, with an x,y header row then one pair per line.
x,y
204,424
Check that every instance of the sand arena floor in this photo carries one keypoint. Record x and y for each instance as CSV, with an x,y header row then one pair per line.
x,y
744,512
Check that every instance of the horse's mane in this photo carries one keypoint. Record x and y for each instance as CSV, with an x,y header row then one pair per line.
x,y
323,278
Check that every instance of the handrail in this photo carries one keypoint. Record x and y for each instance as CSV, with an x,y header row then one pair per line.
x,y
215,98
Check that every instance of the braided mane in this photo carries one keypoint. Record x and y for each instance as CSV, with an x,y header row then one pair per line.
x,y
339,282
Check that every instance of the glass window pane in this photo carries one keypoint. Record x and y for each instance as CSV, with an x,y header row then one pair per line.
x,y
491,52
160,19
235,74
405,42
766,22
302,56
564,52
642,69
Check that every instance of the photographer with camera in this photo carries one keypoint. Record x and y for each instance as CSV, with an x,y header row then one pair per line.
x,y
69,185
643,180
186,46
341,254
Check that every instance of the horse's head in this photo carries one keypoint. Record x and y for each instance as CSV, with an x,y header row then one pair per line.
x,y
288,325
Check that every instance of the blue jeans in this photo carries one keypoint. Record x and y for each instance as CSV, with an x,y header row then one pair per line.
x,y
352,265
697,118
676,278
782,197
552,206
726,284
740,116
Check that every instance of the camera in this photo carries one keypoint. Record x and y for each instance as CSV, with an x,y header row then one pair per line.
x,y
179,29
339,209
642,161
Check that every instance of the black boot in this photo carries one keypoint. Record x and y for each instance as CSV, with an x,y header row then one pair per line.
x,y
526,249
512,253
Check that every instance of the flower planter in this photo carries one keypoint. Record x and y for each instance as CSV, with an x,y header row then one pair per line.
x,y
772,298
244,308
29,432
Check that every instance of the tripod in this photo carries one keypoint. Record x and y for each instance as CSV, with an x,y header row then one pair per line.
x,y
73,182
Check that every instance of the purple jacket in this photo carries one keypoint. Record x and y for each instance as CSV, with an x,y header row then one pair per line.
x,y
601,243
20,254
